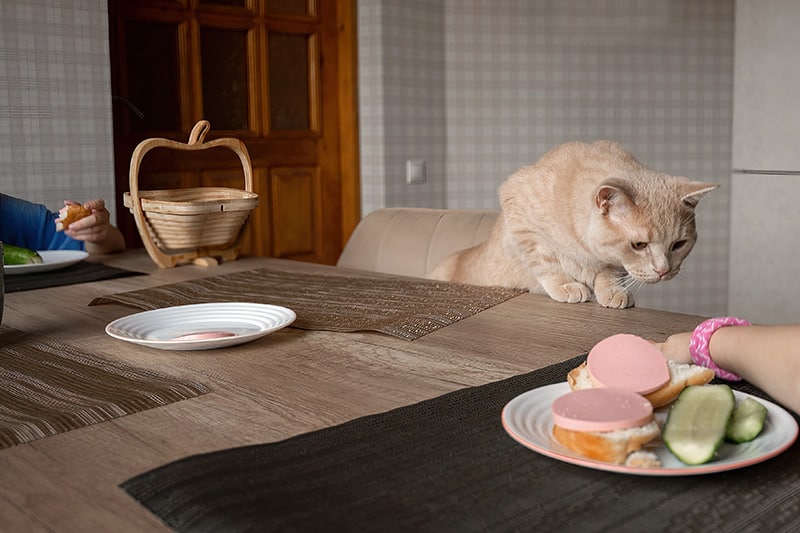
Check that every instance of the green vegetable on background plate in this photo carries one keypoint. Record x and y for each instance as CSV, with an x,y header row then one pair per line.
x,y
15,255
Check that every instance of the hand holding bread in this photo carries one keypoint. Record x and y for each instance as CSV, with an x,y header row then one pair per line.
x,y
90,222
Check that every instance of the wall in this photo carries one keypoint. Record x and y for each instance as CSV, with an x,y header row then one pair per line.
x,y
56,137
402,101
765,250
521,76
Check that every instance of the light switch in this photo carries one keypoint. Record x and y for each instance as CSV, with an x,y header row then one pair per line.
x,y
415,171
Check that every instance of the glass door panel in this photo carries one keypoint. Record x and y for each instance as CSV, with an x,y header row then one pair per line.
x,y
223,58
152,76
289,78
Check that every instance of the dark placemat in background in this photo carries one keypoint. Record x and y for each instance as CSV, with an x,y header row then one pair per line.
x,y
48,387
446,464
82,272
407,308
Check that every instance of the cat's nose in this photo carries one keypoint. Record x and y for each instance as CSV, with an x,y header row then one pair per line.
x,y
662,272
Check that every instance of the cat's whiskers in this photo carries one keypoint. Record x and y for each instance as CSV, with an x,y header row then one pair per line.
x,y
628,283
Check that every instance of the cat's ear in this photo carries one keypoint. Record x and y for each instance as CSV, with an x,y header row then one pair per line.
x,y
613,194
692,191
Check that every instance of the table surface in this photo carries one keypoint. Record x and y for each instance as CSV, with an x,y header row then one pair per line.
x,y
287,383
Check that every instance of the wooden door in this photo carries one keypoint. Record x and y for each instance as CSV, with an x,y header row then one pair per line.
x,y
278,74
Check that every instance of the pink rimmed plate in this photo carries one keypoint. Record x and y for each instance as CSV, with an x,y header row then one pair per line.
x,y
528,420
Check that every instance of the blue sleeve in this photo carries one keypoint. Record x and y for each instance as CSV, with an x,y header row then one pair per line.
x,y
31,225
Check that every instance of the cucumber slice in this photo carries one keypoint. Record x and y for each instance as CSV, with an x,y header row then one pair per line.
x,y
15,255
696,423
747,421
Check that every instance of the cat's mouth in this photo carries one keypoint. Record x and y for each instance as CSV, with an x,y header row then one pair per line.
x,y
653,277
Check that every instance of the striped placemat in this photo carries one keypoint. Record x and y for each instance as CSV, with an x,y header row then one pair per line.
x,y
48,387
446,464
407,308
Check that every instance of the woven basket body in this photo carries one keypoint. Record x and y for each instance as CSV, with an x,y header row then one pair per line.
x,y
181,225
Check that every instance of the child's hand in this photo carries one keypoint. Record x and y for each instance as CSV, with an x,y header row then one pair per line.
x,y
95,227
676,347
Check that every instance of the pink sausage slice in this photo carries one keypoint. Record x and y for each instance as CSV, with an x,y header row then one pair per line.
x,y
629,362
204,335
602,409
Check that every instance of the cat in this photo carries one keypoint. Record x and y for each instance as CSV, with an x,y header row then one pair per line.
x,y
587,220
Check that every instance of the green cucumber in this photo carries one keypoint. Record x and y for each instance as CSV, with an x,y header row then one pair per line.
x,y
15,255
747,421
696,423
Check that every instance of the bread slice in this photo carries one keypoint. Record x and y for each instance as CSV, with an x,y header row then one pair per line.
x,y
69,214
681,376
643,459
610,446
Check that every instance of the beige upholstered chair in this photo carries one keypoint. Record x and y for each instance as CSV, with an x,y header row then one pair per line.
x,y
410,241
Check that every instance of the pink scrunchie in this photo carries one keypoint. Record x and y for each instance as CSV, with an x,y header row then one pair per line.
x,y
701,336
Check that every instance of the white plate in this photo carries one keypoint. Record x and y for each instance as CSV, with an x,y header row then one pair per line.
x,y
159,328
528,419
53,260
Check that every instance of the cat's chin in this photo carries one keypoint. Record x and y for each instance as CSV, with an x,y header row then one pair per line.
x,y
649,281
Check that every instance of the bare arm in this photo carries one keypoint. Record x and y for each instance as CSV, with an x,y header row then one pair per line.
x,y
766,356
96,230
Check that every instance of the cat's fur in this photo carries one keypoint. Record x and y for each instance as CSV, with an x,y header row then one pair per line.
x,y
586,220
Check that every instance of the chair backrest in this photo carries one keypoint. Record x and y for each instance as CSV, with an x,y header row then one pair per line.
x,y
411,241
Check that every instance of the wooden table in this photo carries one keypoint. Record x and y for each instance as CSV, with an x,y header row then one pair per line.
x,y
287,383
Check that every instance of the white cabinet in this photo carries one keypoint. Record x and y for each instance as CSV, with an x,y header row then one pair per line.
x,y
765,249
766,95
764,283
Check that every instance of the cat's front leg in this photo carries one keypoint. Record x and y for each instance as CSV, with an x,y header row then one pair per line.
x,y
562,288
609,291
538,262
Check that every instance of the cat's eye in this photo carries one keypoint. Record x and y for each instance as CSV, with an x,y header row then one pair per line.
x,y
678,245
638,246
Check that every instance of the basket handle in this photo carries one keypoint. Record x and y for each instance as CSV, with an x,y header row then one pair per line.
x,y
198,133
196,142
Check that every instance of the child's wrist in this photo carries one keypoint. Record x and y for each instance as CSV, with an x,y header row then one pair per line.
x,y
701,337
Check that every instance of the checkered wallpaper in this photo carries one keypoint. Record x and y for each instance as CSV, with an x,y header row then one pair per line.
x,y
478,89
55,101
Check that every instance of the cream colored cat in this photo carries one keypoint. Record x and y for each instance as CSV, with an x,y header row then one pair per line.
x,y
585,220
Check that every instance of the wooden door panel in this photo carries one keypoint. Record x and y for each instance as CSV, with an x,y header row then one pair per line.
x,y
296,217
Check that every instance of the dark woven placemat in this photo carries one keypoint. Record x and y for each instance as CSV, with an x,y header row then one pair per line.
x,y
48,387
446,464
407,308
82,272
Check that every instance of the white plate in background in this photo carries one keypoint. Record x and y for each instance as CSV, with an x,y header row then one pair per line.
x,y
162,328
53,260
528,419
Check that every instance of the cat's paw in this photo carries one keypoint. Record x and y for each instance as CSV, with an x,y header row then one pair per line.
x,y
616,299
572,293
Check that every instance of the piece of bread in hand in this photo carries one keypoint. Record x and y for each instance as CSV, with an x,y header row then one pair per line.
x,y
681,375
607,424
70,213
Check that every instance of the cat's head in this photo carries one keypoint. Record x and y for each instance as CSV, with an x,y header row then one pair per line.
x,y
647,225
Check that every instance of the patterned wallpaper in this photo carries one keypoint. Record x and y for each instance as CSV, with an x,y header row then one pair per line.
x,y
56,137
483,88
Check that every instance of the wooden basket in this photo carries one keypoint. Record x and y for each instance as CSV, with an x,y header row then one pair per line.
x,y
197,224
